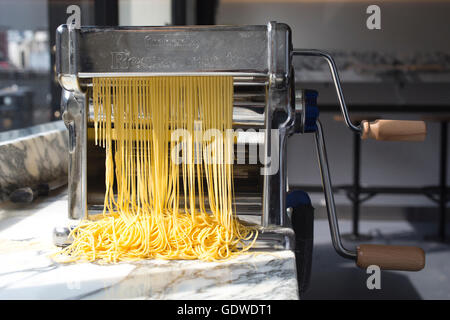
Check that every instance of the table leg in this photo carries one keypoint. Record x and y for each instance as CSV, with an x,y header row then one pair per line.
x,y
443,182
356,193
356,183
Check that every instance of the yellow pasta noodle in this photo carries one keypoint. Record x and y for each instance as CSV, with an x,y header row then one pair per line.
x,y
156,207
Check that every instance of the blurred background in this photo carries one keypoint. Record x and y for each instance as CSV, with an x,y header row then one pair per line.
x,y
401,71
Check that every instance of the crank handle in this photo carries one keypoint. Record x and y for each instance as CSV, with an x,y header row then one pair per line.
x,y
404,258
394,130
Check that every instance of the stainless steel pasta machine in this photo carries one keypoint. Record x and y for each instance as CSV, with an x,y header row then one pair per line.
x,y
268,108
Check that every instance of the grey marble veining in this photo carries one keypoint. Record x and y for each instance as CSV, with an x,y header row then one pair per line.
x,y
39,157
30,131
27,271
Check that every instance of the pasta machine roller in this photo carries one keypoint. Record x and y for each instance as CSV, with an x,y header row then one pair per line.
x,y
268,107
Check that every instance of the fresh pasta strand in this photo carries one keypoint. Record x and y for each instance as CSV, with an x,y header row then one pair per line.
x,y
134,118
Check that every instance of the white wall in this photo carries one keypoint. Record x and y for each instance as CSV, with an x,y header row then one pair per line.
x,y
340,25
322,24
144,12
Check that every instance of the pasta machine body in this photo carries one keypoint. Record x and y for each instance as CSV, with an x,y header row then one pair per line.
x,y
267,104
257,57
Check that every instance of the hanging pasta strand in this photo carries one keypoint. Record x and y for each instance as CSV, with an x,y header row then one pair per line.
x,y
134,121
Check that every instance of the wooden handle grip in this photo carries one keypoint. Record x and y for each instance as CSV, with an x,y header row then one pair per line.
x,y
403,258
394,130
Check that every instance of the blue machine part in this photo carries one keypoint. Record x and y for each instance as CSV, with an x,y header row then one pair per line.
x,y
311,110
297,198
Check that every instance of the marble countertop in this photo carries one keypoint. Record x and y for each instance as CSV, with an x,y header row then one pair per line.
x,y
32,156
27,272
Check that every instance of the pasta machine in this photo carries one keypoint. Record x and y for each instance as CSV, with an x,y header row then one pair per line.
x,y
268,108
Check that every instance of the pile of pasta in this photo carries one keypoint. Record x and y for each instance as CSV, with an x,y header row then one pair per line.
x,y
156,207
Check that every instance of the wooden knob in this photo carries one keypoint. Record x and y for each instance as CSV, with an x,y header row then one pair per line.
x,y
403,258
394,130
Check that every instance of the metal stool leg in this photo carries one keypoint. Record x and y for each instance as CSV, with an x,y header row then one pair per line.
x,y
356,182
356,192
443,182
